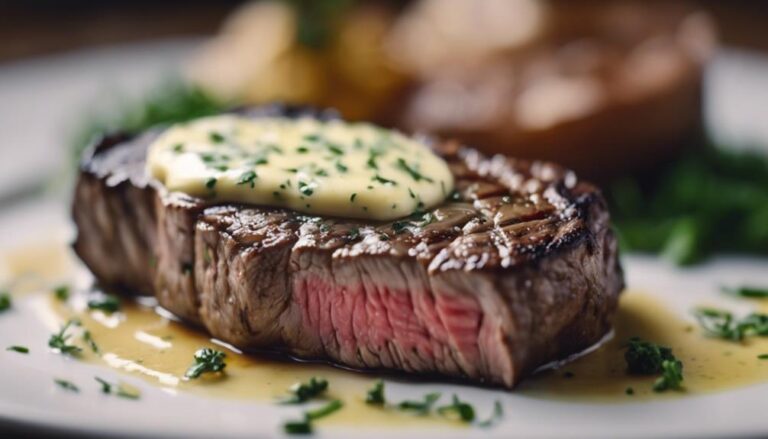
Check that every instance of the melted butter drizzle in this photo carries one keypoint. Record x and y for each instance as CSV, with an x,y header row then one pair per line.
x,y
709,364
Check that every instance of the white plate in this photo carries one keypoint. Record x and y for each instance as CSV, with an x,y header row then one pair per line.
x,y
30,399
28,394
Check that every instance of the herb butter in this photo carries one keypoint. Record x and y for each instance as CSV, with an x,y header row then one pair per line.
x,y
331,168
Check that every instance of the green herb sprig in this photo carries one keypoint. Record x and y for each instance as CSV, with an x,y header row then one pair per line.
x,y
646,358
206,361
60,340
303,392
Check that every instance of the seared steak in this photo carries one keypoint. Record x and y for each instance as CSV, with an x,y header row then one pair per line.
x,y
519,267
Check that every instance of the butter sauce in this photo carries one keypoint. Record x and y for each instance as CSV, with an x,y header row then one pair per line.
x,y
141,341
332,167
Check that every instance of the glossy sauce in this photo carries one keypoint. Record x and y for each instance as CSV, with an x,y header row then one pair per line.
x,y
140,341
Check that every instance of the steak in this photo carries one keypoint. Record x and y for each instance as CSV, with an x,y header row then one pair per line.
x,y
519,267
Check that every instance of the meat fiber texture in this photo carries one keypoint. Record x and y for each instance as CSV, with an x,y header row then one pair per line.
x,y
517,269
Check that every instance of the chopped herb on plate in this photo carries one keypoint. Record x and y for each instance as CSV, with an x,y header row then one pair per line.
x,y
206,361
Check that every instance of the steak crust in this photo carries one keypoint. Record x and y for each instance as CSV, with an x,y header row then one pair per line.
x,y
518,268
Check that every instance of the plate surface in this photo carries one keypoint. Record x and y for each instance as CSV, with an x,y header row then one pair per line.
x,y
30,399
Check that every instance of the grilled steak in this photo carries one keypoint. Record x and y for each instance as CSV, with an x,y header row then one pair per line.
x,y
517,269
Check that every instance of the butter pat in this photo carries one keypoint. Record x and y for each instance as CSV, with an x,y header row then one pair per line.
x,y
331,168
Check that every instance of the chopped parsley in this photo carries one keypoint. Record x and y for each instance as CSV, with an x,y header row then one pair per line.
x,y
61,292
248,177
60,340
748,292
179,147
762,357
413,172
5,301
420,407
120,389
66,385
335,149
216,137
646,358
88,339
399,226
302,150
496,415
211,183
371,162
629,391
306,189
375,395
303,392
206,361
379,179
304,426
341,167
19,349
459,409
105,302
352,197
723,324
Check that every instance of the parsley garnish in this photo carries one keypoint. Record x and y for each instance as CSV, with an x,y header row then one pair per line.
x,y
420,407
748,291
341,167
216,137
335,149
353,234
375,395
206,361
304,426
88,339
5,301
120,389
465,412
211,183
399,226
179,147
722,324
61,292
248,177
303,392
302,150
105,302
19,349
379,179
352,197
763,357
60,340
415,175
371,162
306,189
498,412
66,385
646,358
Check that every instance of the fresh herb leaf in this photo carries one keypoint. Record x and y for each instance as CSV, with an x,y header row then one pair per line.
x,y
304,426
464,411
106,386
375,395
303,392
671,376
763,357
216,137
722,324
206,361
19,349
306,189
88,339
748,292
66,385
60,339
498,413
353,234
379,179
335,149
420,407
646,358
298,427
211,183
302,150
341,167
352,197
105,302
324,411
5,301
248,177
61,292
413,172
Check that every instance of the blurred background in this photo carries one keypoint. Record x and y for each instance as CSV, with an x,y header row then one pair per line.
x,y
661,103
